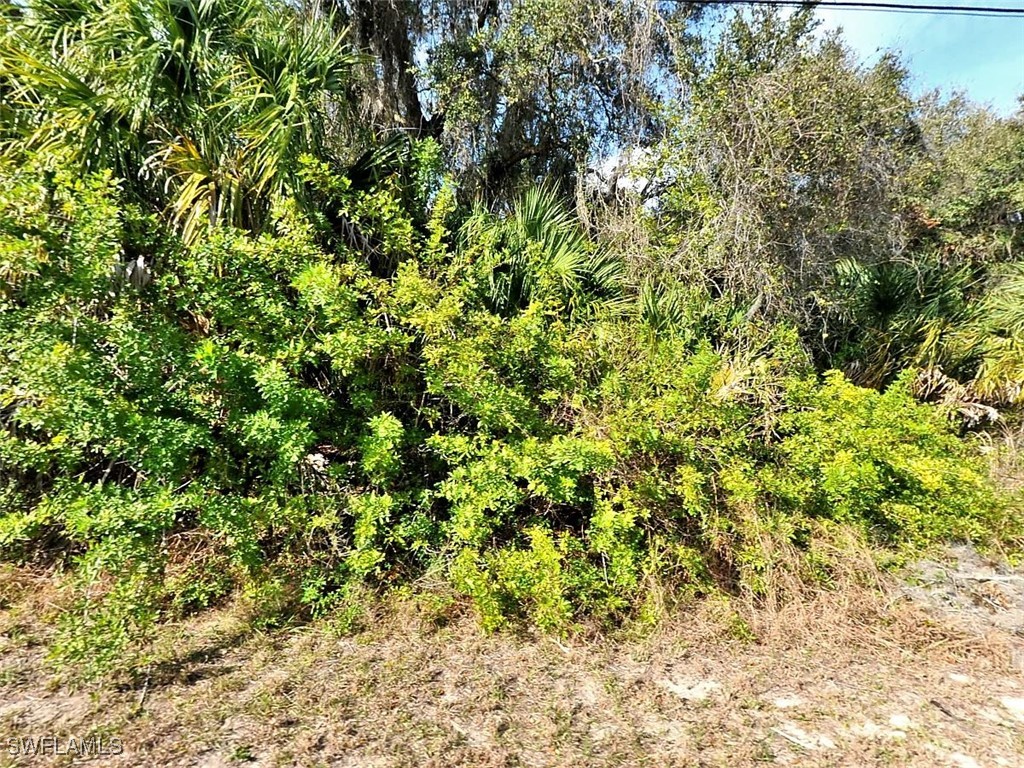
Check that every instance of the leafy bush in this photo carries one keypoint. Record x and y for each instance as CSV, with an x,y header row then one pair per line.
x,y
281,415
240,356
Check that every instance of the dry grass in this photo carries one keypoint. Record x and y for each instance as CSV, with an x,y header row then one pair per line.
x,y
1004,448
858,676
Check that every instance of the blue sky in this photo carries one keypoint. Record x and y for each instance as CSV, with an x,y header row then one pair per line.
x,y
982,56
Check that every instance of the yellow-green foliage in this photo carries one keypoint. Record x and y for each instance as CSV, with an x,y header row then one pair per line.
x,y
282,415
249,346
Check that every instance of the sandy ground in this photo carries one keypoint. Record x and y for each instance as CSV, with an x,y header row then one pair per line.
x,y
927,673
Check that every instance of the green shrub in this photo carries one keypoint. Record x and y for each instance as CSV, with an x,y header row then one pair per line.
x,y
282,416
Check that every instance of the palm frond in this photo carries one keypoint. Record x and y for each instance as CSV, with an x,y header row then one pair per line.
x,y
206,104
539,252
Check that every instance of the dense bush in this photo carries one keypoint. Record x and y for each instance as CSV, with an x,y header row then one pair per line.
x,y
248,349
269,415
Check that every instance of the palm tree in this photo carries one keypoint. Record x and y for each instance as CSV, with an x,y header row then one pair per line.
x,y
202,106
539,252
993,339
963,329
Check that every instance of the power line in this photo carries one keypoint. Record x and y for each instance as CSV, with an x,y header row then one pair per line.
x,y
887,7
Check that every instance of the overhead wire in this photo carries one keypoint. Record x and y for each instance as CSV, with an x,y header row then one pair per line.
x,y
885,7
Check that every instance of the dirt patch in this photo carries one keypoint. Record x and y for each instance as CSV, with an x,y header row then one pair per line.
x,y
965,587
833,682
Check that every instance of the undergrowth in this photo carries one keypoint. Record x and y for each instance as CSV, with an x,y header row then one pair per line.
x,y
476,401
